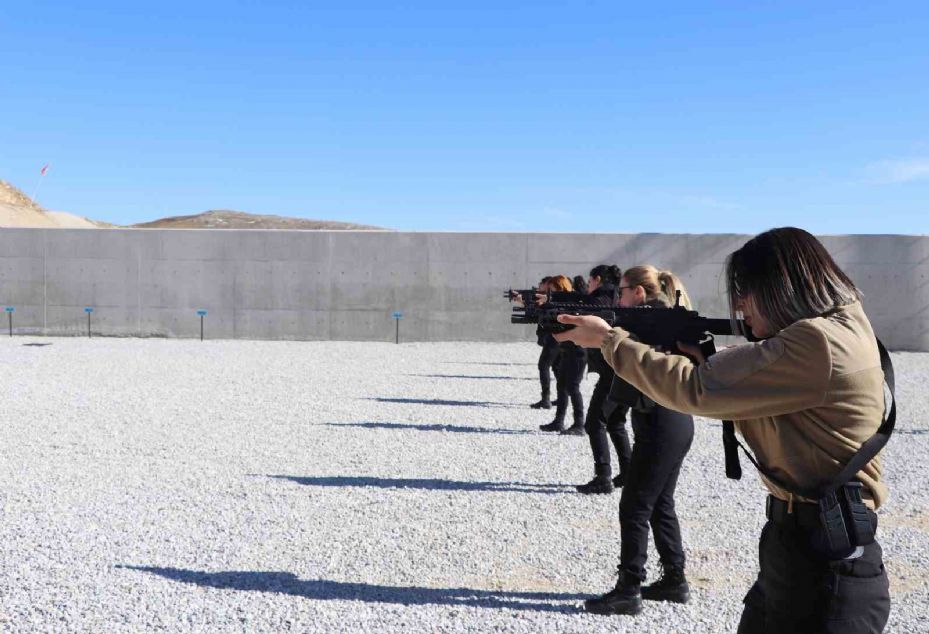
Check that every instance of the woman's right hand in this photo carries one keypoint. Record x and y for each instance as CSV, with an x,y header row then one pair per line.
x,y
588,331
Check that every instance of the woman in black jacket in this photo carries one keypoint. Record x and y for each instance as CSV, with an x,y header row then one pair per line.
x,y
571,365
606,414
548,358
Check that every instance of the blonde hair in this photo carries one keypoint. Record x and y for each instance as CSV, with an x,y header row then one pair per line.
x,y
660,285
560,283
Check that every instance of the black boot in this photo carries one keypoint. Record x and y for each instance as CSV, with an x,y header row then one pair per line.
x,y
619,481
671,586
555,425
542,404
625,598
577,429
601,483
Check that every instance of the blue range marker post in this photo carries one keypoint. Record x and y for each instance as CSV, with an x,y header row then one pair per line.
x,y
88,310
202,314
9,313
397,317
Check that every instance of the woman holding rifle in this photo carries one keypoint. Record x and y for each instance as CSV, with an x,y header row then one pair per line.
x,y
805,399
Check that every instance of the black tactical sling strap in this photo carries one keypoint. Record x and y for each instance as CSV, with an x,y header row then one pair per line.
x,y
865,453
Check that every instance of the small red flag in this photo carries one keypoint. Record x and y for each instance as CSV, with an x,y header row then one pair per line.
x,y
44,169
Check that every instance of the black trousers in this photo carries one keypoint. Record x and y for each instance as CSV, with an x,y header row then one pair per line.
x,y
606,420
799,592
548,359
662,439
571,366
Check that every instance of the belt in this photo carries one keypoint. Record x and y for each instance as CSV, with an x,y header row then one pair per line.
x,y
802,515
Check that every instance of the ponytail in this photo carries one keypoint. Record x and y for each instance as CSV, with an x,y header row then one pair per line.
x,y
658,285
670,284
608,273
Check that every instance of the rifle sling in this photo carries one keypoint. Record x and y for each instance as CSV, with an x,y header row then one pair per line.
x,y
868,450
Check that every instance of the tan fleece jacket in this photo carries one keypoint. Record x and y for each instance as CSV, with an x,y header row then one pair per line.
x,y
804,400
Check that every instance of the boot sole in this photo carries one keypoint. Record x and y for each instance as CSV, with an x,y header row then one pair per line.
x,y
629,609
594,491
669,597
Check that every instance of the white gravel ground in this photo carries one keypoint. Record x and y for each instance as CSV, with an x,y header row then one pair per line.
x,y
237,486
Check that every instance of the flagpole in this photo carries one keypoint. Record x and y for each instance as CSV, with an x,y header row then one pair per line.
x,y
39,184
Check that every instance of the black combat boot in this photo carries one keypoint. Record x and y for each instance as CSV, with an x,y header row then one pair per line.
x,y
601,483
625,598
619,481
544,402
671,586
555,425
577,429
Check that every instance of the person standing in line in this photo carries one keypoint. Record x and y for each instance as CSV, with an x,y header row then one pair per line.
x,y
808,399
606,413
662,438
571,365
548,357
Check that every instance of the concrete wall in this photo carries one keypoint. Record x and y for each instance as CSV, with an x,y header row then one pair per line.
x,y
345,285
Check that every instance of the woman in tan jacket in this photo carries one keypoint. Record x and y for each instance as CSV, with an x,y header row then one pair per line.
x,y
804,398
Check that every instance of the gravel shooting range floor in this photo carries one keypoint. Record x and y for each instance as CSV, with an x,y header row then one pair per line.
x,y
253,486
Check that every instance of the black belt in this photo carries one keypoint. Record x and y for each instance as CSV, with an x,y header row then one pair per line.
x,y
800,515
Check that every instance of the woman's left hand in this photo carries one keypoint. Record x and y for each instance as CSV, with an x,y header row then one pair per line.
x,y
692,351
588,331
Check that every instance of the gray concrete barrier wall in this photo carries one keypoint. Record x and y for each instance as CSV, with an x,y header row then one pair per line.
x,y
346,285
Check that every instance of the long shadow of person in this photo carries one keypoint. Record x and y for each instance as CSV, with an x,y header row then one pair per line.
x,y
431,484
458,429
437,401
326,590
476,376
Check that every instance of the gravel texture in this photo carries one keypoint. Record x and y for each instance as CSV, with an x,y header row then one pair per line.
x,y
239,486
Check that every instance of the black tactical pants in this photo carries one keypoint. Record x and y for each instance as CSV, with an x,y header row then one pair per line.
x,y
606,421
662,439
799,592
548,360
571,366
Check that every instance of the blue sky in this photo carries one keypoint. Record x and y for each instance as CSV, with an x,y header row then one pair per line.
x,y
479,116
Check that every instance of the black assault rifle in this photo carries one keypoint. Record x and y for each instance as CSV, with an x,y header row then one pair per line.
x,y
528,295
662,327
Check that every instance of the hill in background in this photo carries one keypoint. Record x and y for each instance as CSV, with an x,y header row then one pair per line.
x,y
18,210
227,219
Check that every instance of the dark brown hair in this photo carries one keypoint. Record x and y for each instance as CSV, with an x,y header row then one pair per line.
x,y
789,275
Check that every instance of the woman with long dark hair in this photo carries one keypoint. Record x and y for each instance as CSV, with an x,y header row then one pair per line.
x,y
805,399
606,417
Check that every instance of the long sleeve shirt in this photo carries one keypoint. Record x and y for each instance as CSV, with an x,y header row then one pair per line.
x,y
804,400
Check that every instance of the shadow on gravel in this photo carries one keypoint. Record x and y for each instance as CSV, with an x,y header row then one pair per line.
x,y
458,429
35,345
430,484
475,376
325,590
912,432
485,363
438,401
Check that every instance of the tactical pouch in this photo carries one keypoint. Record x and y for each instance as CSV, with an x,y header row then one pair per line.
x,y
844,520
831,520
857,521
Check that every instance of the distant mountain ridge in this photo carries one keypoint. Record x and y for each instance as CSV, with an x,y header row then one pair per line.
x,y
229,219
19,210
